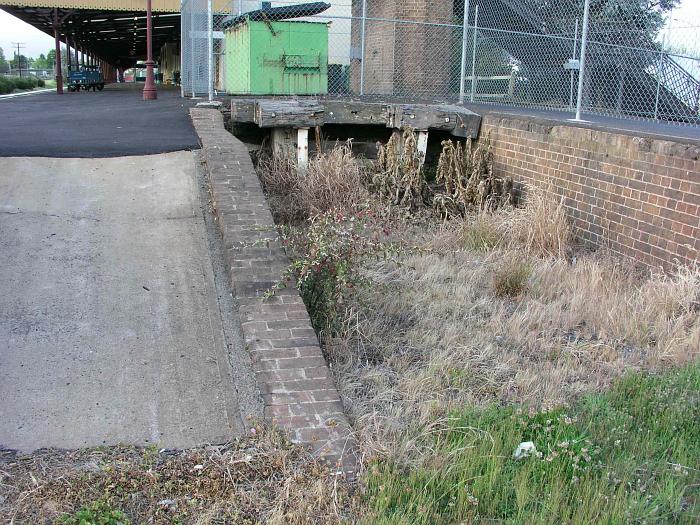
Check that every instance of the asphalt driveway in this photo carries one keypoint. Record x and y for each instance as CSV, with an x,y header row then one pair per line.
x,y
113,122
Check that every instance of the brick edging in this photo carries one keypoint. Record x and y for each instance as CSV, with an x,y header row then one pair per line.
x,y
298,391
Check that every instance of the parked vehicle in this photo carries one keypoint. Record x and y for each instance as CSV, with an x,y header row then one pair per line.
x,y
86,77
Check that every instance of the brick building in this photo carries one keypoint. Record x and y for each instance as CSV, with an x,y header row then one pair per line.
x,y
404,54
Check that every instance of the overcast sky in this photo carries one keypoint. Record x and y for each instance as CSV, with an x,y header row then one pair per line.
x,y
36,42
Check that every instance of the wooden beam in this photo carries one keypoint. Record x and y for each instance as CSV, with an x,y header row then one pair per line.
x,y
243,110
294,113
353,112
306,113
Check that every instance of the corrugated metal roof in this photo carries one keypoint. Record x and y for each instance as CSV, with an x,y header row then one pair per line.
x,y
107,5
168,6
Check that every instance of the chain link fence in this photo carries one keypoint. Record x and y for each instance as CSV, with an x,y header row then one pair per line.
x,y
638,60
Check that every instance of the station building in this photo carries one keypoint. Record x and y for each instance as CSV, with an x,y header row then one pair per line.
x,y
108,33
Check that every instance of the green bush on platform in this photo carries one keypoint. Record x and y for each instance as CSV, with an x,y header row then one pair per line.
x,y
9,84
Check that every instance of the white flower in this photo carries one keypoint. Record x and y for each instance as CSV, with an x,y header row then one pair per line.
x,y
525,449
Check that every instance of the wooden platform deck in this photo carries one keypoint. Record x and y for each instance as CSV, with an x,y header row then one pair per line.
x,y
299,113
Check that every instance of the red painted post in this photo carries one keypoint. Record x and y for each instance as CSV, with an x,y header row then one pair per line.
x,y
149,90
59,66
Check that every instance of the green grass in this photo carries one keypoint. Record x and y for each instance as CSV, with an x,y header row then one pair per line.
x,y
95,513
630,455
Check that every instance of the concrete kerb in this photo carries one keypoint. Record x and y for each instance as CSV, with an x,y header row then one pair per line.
x,y
298,390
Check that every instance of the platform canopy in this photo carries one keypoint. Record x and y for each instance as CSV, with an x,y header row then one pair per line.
x,y
113,30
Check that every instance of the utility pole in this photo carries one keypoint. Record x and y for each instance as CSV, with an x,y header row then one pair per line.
x,y
19,46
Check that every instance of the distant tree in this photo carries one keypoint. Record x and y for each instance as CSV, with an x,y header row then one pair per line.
x,y
4,65
42,63
633,23
21,62
51,59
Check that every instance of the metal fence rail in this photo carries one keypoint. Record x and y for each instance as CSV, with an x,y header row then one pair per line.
x,y
638,61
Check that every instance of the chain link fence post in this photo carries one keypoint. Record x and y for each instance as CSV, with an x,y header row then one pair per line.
x,y
476,26
210,51
362,47
463,67
661,69
582,62
571,73
183,32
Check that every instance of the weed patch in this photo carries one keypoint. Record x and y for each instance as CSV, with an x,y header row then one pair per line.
x,y
510,278
628,456
261,479
327,258
332,181
479,307
95,513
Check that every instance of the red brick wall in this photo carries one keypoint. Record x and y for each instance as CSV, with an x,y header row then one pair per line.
x,y
405,59
639,197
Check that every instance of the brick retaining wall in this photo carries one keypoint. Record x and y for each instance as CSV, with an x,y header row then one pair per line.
x,y
638,196
291,372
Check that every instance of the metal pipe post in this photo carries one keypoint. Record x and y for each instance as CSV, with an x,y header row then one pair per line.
x,y
210,49
149,90
362,47
582,62
476,25
68,53
183,32
661,68
463,68
194,95
59,74
571,73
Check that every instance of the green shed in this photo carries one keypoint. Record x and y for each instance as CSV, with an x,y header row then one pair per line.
x,y
277,58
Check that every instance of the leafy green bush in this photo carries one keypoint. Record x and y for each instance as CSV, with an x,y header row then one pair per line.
x,y
7,85
25,83
96,513
327,260
40,82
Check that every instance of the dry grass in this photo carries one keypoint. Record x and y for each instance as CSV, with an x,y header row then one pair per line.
x,y
263,479
498,309
468,181
332,181
540,226
510,278
507,320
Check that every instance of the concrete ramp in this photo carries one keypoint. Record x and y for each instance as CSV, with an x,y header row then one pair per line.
x,y
110,329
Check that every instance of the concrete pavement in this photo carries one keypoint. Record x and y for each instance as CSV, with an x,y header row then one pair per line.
x,y
111,322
